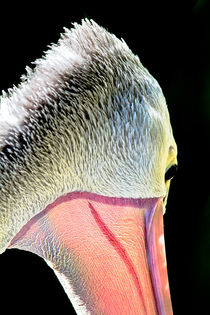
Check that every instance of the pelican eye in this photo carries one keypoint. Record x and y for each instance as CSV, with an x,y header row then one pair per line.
x,y
171,172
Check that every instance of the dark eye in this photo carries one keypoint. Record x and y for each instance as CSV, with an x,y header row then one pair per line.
x,y
171,172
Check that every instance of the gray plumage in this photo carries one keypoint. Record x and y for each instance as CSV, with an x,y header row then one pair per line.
x,y
88,117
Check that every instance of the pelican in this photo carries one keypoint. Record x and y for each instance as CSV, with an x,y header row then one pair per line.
x,y
86,158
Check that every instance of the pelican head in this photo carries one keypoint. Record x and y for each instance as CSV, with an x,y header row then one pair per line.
x,y
85,146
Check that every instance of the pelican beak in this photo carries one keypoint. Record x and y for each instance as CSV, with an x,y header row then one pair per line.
x,y
156,258
109,253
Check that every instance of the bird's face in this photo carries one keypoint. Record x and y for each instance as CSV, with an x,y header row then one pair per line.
x,y
86,171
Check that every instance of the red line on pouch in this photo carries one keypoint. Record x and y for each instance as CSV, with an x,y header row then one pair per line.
x,y
119,249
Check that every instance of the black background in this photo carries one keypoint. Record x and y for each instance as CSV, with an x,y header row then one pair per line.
x,y
172,39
